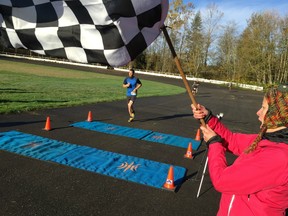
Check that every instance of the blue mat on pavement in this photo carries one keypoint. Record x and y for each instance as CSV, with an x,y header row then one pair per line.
x,y
172,140
134,169
113,129
140,134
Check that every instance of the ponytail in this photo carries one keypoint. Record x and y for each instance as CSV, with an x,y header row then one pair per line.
x,y
254,145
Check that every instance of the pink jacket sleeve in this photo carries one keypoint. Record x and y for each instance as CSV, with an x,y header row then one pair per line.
x,y
233,142
264,168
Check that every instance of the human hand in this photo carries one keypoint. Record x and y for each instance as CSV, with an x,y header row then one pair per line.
x,y
199,112
208,133
133,92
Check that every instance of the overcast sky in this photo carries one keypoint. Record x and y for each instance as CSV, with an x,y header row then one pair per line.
x,y
241,10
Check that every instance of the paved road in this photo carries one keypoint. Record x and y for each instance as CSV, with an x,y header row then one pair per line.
x,y
33,187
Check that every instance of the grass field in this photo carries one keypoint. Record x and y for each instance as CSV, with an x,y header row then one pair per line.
x,y
27,87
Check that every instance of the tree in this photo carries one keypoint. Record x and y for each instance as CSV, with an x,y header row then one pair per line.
x,y
177,20
282,49
226,51
194,45
257,53
211,23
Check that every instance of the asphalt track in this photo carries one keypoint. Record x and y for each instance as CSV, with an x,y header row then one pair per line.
x,y
33,187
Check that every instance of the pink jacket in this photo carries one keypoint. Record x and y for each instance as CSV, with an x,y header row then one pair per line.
x,y
256,183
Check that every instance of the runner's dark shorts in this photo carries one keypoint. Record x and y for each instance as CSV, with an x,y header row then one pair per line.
x,y
132,98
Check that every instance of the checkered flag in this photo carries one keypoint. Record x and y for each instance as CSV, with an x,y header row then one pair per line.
x,y
110,32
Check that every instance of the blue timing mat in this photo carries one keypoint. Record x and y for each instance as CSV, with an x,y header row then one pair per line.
x,y
172,140
113,129
139,170
140,134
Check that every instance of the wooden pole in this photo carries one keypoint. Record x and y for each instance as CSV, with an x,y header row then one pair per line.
x,y
180,70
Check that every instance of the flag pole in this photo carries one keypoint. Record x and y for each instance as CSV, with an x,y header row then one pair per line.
x,y
188,90
180,70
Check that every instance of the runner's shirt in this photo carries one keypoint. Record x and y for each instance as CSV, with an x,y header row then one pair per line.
x,y
133,83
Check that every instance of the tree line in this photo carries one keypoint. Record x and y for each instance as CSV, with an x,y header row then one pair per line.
x,y
208,49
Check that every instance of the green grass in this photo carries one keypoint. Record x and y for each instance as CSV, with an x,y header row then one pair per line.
x,y
27,87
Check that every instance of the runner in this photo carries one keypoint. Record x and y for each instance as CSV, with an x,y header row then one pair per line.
x,y
195,87
132,84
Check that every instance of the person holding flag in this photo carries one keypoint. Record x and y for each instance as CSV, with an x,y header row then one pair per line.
x,y
257,182
132,84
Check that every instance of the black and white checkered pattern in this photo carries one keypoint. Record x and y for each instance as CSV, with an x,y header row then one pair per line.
x,y
110,32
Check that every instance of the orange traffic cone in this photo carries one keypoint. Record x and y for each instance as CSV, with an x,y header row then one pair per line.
x,y
198,138
89,119
169,184
189,154
47,125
